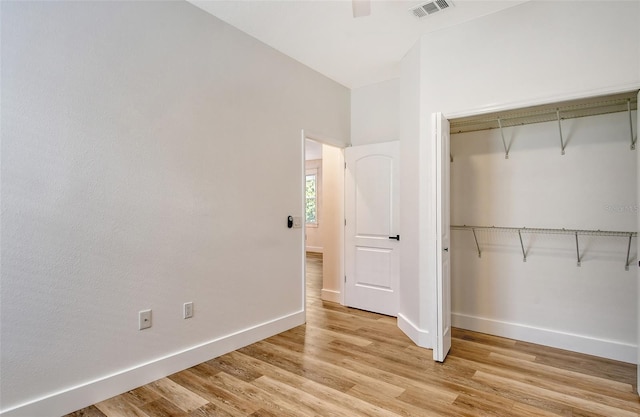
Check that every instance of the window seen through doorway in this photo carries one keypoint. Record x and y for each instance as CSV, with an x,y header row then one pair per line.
x,y
311,194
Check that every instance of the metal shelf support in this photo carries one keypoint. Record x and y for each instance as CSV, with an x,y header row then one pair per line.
x,y
477,246
577,249
633,139
562,144
626,266
524,254
574,232
504,143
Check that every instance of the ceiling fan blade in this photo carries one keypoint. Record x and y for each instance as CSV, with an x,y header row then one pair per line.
x,y
361,8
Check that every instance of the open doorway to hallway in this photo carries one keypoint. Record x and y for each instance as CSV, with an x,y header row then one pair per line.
x,y
324,216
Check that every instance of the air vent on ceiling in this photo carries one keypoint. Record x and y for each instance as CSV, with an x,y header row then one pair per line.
x,y
429,8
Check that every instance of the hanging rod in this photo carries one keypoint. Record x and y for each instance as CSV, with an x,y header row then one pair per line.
x,y
575,232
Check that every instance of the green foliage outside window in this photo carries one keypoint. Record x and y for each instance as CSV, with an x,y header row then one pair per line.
x,y
311,208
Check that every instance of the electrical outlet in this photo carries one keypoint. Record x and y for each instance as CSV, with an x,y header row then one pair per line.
x,y
188,310
144,319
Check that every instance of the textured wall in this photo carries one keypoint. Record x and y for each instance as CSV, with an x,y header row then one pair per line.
x,y
150,156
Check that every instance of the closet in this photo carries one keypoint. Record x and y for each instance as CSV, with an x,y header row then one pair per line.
x,y
544,224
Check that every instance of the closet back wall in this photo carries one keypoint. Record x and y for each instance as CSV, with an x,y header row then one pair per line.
x,y
548,299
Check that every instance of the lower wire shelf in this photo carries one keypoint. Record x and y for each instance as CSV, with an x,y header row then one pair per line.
x,y
574,232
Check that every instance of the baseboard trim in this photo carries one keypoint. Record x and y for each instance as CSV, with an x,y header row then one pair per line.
x,y
75,398
420,337
609,349
330,295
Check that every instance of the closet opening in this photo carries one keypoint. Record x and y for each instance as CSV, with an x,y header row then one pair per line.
x,y
544,221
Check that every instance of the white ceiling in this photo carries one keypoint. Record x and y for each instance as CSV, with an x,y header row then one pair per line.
x,y
323,34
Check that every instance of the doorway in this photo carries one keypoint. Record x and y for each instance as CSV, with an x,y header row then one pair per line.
x,y
324,213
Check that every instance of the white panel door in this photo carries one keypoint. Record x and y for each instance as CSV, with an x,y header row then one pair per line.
x,y
443,223
638,257
372,238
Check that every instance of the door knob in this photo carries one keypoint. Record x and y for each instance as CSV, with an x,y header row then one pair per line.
x,y
446,249
396,237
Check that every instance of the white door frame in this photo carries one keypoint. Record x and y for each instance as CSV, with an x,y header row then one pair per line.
x,y
443,254
638,250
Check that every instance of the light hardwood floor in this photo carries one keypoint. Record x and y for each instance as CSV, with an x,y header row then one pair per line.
x,y
347,362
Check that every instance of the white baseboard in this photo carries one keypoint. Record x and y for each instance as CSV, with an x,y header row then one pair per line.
x,y
74,398
330,295
610,349
316,249
420,337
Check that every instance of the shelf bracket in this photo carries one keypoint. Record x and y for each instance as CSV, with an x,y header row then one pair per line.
x,y
504,143
577,249
633,140
626,266
477,246
562,144
524,254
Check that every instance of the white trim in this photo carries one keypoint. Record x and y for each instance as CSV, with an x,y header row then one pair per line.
x,y
420,337
83,395
315,249
303,229
330,295
610,349
543,100
638,255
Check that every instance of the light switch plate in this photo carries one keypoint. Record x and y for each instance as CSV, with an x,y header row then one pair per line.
x,y
297,222
188,310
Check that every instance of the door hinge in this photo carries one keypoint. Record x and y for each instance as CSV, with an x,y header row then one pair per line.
x,y
345,278
345,165
345,222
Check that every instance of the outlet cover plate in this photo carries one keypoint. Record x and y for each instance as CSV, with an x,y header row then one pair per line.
x,y
144,319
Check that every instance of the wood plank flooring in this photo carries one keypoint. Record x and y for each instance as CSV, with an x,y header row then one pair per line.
x,y
347,362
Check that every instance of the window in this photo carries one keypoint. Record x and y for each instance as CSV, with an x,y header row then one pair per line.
x,y
311,194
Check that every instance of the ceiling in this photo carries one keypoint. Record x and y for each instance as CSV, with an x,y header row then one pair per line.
x,y
324,35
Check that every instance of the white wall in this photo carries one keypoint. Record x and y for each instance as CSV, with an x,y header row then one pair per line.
x,y
375,113
332,223
415,301
548,299
529,54
127,130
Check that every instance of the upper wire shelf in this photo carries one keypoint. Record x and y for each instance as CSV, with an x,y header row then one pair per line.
x,y
593,106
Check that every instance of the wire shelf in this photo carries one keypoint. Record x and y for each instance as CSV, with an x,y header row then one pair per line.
x,y
574,232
